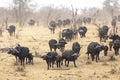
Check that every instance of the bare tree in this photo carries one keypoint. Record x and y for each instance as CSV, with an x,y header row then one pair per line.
x,y
74,16
21,8
49,13
111,7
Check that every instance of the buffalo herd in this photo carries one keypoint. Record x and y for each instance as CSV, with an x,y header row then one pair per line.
x,y
93,49
70,34
52,57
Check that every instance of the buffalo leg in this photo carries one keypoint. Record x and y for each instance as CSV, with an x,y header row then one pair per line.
x,y
88,55
97,57
55,49
16,58
68,63
52,64
110,45
57,63
75,64
65,62
62,62
23,61
50,49
116,52
47,64
92,56
26,60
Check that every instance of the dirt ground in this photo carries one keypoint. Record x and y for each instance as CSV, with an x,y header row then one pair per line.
x,y
36,38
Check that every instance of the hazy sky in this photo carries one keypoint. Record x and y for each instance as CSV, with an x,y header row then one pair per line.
x,y
60,3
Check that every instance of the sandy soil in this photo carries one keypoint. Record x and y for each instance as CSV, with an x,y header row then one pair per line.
x,y
36,38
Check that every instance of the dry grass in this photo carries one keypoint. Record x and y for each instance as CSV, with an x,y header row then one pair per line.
x,y
36,38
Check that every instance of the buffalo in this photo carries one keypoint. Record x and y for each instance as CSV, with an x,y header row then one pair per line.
x,y
69,55
14,52
31,22
53,44
62,43
116,46
59,23
67,34
52,26
30,58
50,59
86,20
113,37
21,53
82,31
103,33
11,30
58,60
66,22
76,47
94,49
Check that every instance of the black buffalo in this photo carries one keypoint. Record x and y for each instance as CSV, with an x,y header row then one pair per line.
x,y
50,58
82,31
59,23
116,46
11,30
76,47
53,44
30,58
94,49
58,60
69,55
52,26
105,48
62,43
21,53
14,52
103,33
67,34
66,22
113,38
87,20
31,22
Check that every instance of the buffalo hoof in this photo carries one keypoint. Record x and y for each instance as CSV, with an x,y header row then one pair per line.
x,y
67,65
116,54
